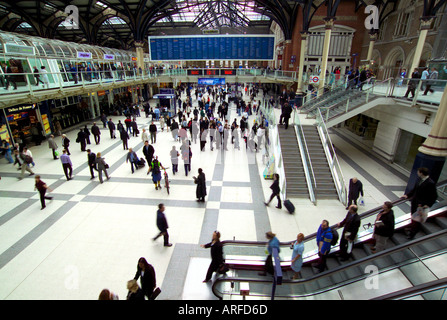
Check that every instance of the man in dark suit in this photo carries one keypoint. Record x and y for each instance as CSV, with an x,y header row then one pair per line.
x,y
148,151
351,225
275,191
162,225
91,162
112,129
96,133
287,114
355,189
82,139
66,143
423,195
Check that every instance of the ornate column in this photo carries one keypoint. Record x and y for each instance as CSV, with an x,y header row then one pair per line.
x,y
329,23
425,26
372,41
303,49
433,152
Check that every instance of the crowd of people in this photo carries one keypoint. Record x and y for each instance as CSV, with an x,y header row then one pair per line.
x,y
209,122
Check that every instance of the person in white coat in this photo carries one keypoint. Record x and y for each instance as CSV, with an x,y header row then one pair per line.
x,y
144,136
44,76
235,134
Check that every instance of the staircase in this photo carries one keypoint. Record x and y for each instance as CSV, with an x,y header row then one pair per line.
x,y
323,176
296,186
343,104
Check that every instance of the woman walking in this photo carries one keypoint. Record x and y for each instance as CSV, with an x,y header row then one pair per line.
x,y
216,255
146,272
102,167
275,191
297,256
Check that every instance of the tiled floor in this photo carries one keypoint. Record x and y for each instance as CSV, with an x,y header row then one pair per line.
x,y
91,235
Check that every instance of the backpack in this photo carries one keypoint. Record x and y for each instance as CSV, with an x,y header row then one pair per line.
x,y
335,237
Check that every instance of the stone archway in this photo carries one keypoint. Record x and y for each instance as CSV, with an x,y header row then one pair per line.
x,y
425,57
394,62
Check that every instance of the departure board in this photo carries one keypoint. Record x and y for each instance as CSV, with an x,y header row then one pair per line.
x,y
213,47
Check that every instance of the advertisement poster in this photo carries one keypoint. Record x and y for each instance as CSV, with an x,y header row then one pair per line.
x,y
4,135
46,124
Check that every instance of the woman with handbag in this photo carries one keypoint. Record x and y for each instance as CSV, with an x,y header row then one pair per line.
x,y
146,274
383,227
102,166
217,260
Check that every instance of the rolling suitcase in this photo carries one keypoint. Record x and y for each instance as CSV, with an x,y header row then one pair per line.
x,y
289,206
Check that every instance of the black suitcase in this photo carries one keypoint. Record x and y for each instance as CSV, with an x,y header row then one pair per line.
x,y
289,206
141,163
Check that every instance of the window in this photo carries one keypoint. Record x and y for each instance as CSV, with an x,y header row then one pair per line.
x,y
403,24
382,30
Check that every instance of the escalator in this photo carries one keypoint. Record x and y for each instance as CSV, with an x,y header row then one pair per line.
x,y
409,261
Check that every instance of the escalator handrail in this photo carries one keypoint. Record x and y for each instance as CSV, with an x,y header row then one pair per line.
x,y
356,94
371,257
364,215
416,290
323,97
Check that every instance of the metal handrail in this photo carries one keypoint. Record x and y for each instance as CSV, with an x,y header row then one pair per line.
x,y
324,96
327,109
312,236
349,265
416,290
341,190
301,139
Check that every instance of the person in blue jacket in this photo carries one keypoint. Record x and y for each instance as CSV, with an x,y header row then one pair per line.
x,y
273,242
324,238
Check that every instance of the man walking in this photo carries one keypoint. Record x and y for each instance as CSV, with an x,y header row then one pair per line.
x,y
82,139
42,188
91,158
96,133
423,196
153,132
355,189
23,166
53,146
433,76
162,225
66,143
67,165
112,129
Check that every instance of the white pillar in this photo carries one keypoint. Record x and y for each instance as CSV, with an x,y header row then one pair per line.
x,y
301,62
327,41
425,26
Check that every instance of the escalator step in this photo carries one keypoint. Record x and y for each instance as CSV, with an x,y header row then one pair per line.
x,y
441,221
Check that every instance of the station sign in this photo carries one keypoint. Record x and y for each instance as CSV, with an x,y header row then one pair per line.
x,y
18,49
109,57
22,108
84,55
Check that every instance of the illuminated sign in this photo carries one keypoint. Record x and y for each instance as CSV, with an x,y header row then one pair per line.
x,y
194,72
84,55
17,49
211,72
109,57
228,72
211,81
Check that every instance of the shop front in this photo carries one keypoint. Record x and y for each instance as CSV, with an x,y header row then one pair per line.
x,y
23,124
